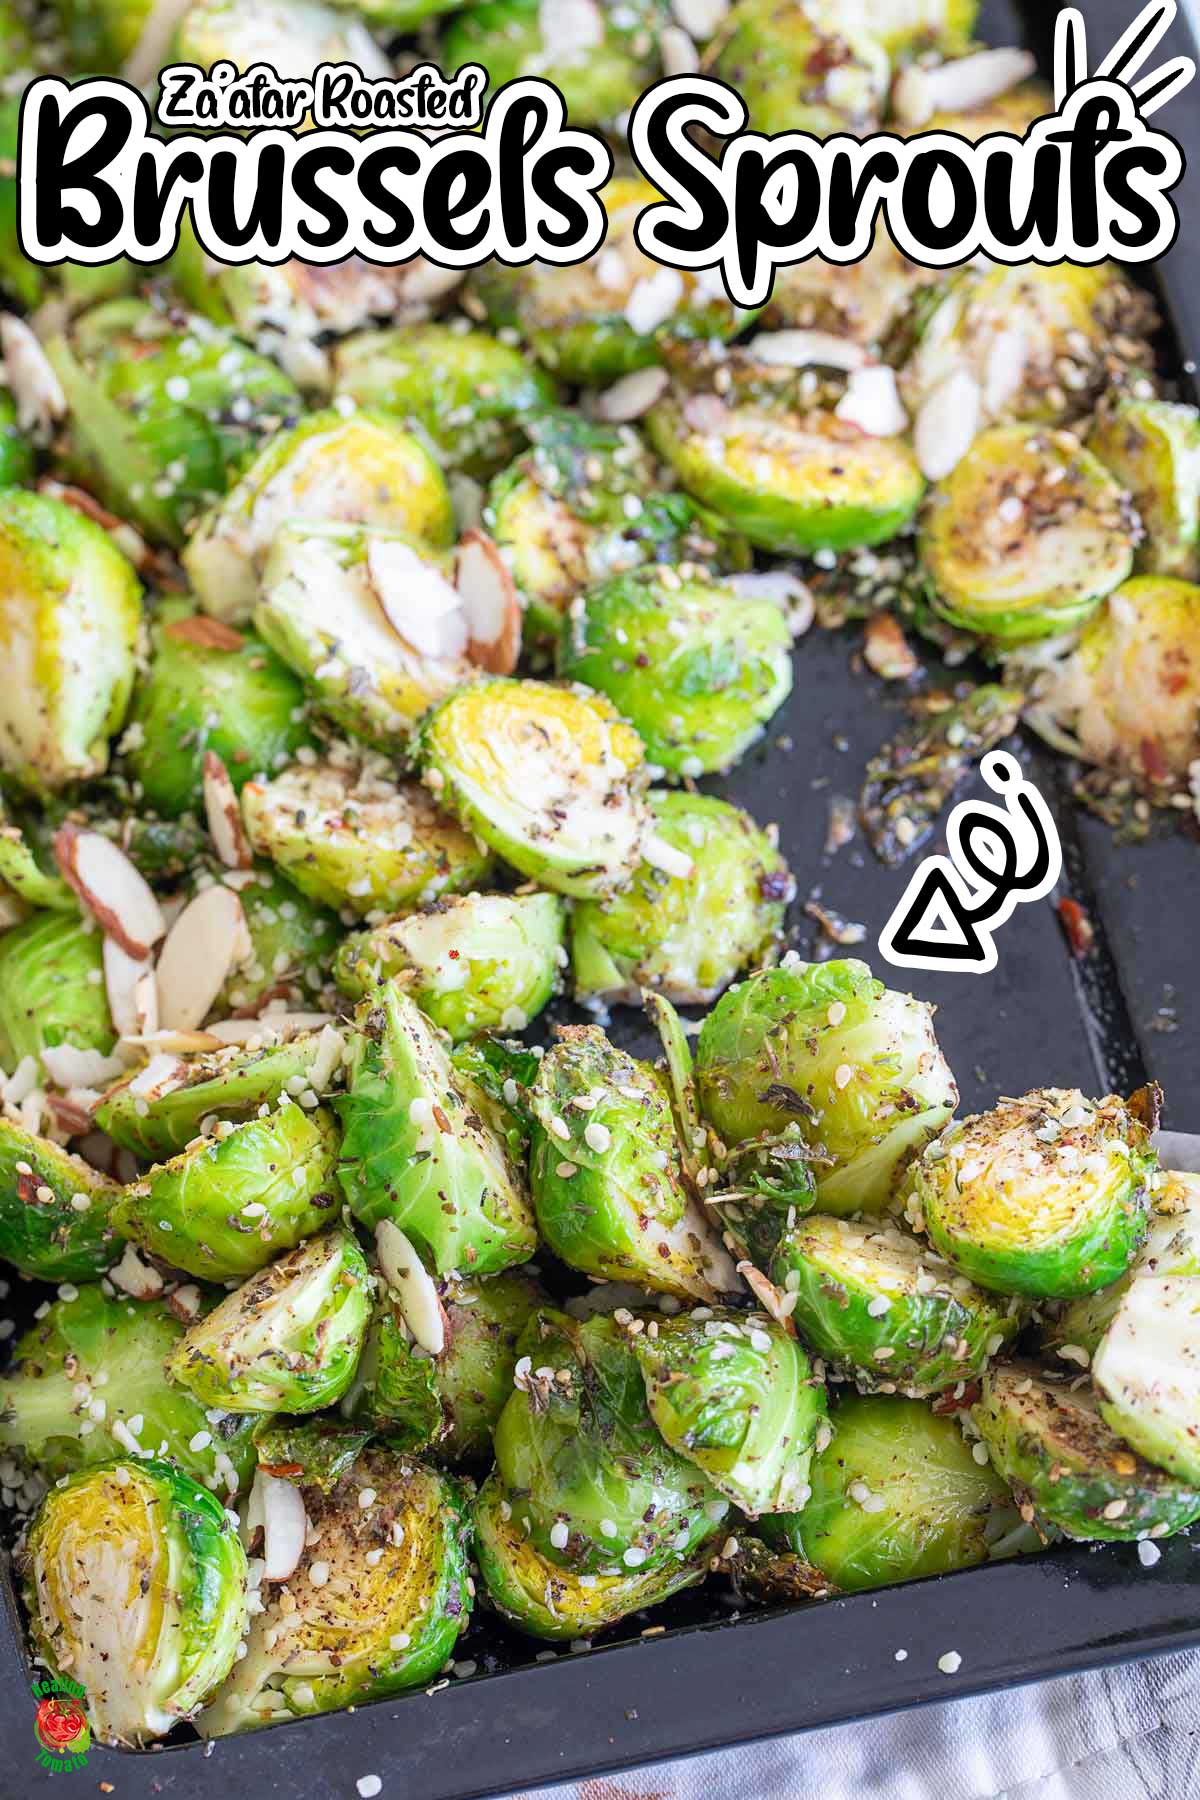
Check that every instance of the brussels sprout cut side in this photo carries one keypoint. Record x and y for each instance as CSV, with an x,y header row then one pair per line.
x,y
52,989
1152,447
1145,1371
803,68
1068,1468
135,1582
1045,1196
56,1212
824,1047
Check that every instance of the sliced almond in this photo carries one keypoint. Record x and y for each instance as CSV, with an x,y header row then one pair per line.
x,y
1004,370
678,51
946,424
206,943
661,855
632,396
490,604
277,1025
111,888
957,86
224,814
32,381
700,18
72,1112
707,414
163,1074
278,1506
413,1287
185,1302
419,602
205,633
653,300
131,989
807,349
128,541
793,596
68,1067
139,1279
173,1043
872,402
772,1299
886,650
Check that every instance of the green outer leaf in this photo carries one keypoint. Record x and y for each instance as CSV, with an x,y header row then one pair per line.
x,y
51,988
313,1452
1153,449
49,1239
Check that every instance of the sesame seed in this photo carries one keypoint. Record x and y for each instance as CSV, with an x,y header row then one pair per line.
x,y
1115,1508
368,1786
559,1534
1148,1553
842,1075
902,1656
633,1557
366,1497
950,1663
318,1573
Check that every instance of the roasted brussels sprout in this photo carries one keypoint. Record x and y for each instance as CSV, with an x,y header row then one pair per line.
x,y
862,301
607,1178
334,601
737,1396
1171,1248
584,504
599,58
375,1605
502,1071
594,321
1145,1373
803,67
479,962
56,1211
551,778
293,36
1045,1196
770,1186
231,1084
685,934
161,411
27,867
1025,537
52,988
696,668
463,391
209,688
95,1363
346,833
227,1205
100,35
17,460
790,481
70,608
552,1602
289,1339
312,1452
293,941
869,1303
360,468
826,1047
598,1489
419,1151
135,1582
896,1493
1125,694
1069,1470
1153,449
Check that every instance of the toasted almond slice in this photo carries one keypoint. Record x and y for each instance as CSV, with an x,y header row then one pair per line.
x,y
131,989
678,51
135,1277
946,424
111,889
161,1075
886,649
72,1112
413,1287
707,414
633,395
129,541
958,85
276,1025
31,379
807,349
224,814
489,598
419,602
185,1302
173,1043
68,1067
772,1299
278,1506
872,402
203,947
661,855
205,633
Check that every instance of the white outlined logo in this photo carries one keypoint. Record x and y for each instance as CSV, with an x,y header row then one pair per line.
x,y
1000,857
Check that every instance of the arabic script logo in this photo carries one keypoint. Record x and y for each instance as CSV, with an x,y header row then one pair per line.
x,y
60,1725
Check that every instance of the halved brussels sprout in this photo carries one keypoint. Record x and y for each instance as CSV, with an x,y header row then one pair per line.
x,y
228,1205
418,1150
869,1302
803,68
356,469
293,36
685,935
209,689
448,1403
313,1452
790,481
599,73
909,28
771,1185
737,1396
56,1211
70,607
231,1084
1040,342
90,1366
463,392
1145,1373
135,1582
551,1602
322,609
474,963
598,1490
551,778
1125,694
1068,1468
824,1046
289,1339
862,301
584,504
896,1494
1172,1248
596,320
376,1604
52,988
696,668
293,941
346,833
1153,449
1046,1195
1025,537
161,411
607,1178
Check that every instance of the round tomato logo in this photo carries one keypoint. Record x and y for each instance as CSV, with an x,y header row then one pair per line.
x,y
61,1726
